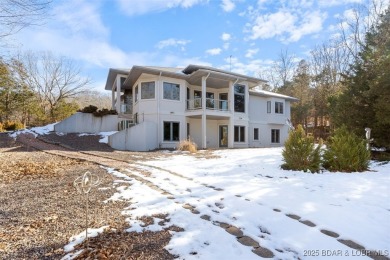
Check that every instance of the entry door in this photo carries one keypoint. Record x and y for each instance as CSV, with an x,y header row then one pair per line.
x,y
223,136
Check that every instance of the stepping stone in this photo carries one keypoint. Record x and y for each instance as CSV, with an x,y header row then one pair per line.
x,y
219,205
377,255
218,189
351,244
166,193
247,199
308,223
187,206
194,211
293,216
238,195
263,252
223,225
277,210
247,241
205,217
329,233
171,197
234,231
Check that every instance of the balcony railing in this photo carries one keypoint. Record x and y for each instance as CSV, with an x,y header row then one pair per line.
x,y
126,108
213,104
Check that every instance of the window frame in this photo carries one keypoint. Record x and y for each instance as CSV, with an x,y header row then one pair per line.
x,y
269,107
279,107
147,84
239,134
136,94
241,108
275,136
166,84
171,131
256,134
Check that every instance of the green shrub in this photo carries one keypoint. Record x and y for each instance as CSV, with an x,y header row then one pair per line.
x,y
299,152
13,125
346,152
88,109
187,145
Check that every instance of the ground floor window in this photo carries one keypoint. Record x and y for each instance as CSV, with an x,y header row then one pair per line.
x,y
171,131
275,136
239,134
256,134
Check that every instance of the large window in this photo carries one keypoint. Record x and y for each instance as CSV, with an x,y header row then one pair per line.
x,y
239,98
256,134
268,107
136,94
147,90
171,131
171,91
239,134
275,136
278,107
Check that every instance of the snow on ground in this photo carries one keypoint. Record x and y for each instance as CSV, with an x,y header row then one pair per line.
x,y
41,130
354,205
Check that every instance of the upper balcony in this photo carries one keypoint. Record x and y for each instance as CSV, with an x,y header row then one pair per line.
x,y
211,104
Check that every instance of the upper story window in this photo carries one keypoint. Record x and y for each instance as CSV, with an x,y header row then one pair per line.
x,y
278,107
136,93
171,91
147,90
239,98
269,107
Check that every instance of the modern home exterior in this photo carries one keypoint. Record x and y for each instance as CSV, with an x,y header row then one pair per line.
x,y
158,107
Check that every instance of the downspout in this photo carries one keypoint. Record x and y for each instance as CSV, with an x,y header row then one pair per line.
x,y
159,89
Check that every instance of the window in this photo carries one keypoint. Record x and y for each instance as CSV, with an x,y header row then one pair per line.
x,y
256,134
239,134
209,100
275,136
147,90
278,107
239,98
188,131
136,93
269,107
223,101
171,131
197,99
171,91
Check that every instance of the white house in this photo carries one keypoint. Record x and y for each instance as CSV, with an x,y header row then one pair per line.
x,y
157,107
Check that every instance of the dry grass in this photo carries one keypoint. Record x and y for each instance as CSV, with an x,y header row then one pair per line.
x,y
187,145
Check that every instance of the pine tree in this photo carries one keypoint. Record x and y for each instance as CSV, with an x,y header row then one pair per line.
x,y
300,153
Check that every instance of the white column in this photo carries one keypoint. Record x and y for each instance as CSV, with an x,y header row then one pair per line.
x,y
113,98
118,95
204,132
231,118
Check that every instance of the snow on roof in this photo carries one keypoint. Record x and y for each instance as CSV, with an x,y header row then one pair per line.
x,y
264,93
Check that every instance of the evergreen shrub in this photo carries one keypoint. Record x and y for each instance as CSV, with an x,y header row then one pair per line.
x,y
13,125
346,152
89,109
300,153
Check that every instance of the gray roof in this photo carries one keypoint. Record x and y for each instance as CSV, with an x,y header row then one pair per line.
x,y
192,74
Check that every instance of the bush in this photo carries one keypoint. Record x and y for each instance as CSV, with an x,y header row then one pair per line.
x,y
105,112
187,145
346,152
299,152
13,125
1,127
88,109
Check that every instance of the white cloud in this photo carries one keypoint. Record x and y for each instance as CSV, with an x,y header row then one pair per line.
x,y
226,45
226,36
250,52
139,7
286,24
171,42
330,3
252,68
214,51
228,5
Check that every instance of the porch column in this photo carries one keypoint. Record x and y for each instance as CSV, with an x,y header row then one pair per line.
x,y
113,98
204,132
231,118
118,95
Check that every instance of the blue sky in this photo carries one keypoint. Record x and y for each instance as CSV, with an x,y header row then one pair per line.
x,y
103,34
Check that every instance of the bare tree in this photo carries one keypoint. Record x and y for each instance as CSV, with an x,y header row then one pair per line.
x,y
280,74
53,79
18,14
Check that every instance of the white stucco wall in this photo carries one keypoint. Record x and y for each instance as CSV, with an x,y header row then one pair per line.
x,y
87,123
141,137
